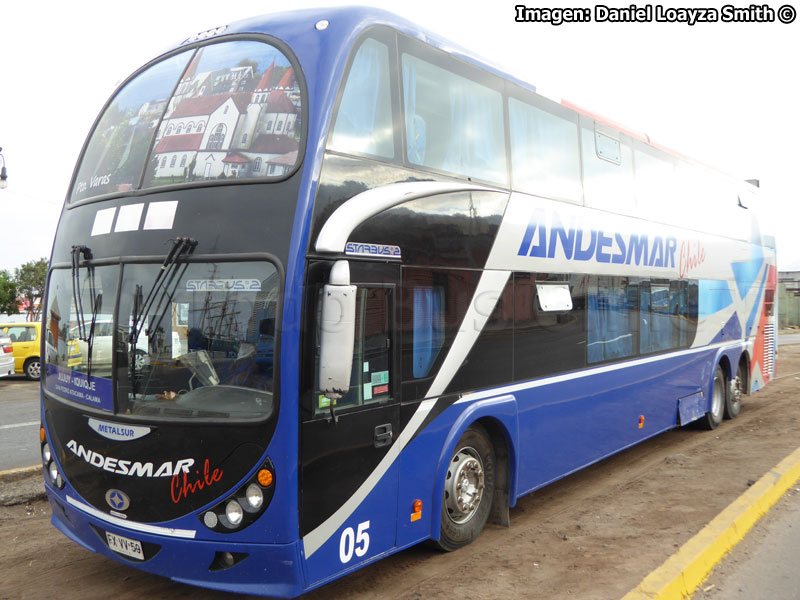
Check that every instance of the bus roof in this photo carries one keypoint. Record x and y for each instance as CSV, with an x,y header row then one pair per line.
x,y
348,22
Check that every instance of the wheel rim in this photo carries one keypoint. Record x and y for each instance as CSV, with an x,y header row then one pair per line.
x,y
464,485
717,398
34,368
139,361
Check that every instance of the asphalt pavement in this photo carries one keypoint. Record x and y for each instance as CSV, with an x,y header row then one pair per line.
x,y
764,564
19,423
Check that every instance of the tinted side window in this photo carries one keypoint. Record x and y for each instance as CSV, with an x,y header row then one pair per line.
x,y
490,361
546,343
452,123
434,304
612,319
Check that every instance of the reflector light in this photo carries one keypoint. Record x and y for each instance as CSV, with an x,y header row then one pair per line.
x,y
210,519
265,477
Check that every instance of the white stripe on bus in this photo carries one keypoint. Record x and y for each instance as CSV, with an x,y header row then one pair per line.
x,y
132,525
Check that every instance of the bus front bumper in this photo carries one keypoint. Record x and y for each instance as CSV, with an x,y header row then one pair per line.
x,y
263,569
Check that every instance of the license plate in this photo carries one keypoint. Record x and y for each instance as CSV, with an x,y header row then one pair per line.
x,y
125,546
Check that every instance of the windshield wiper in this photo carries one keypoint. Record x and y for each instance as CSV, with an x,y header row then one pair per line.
x,y
95,299
181,247
76,287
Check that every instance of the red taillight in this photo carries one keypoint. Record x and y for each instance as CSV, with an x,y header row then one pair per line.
x,y
8,349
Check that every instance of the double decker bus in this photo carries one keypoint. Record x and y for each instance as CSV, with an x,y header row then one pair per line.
x,y
341,288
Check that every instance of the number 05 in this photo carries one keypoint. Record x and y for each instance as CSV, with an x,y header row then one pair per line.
x,y
350,542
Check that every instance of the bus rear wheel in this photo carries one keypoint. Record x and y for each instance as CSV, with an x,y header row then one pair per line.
x,y
733,401
718,400
468,490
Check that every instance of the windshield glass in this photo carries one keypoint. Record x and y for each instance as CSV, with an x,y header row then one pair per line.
x,y
202,348
222,112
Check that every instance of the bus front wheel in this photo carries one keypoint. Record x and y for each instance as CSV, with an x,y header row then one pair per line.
x,y
468,490
718,401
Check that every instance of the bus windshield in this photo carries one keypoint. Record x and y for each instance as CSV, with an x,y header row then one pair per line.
x,y
203,347
221,112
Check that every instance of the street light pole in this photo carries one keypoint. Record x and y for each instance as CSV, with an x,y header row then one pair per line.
x,y
3,174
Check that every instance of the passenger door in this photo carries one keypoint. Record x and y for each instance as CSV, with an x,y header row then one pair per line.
x,y
348,496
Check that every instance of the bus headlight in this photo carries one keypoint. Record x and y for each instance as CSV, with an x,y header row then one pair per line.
x,y
234,512
255,497
55,476
245,505
47,455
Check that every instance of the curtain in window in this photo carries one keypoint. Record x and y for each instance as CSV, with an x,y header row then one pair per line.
x,y
415,124
660,319
610,332
471,132
360,101
428,329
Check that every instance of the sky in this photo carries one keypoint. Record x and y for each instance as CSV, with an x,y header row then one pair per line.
x,y
725,94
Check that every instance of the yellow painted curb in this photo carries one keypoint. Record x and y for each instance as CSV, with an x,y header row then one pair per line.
x,y
683,572
21,473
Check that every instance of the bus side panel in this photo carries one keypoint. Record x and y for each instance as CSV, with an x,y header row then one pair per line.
x,y
568,428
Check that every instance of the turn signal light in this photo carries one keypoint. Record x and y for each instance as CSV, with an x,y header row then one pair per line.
x,y
41,434
417,505
641,421
265,478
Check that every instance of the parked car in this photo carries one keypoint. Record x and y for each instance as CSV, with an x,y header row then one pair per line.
x,y
6,356
103,351
26,340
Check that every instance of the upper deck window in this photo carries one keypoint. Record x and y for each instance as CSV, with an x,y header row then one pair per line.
x,y
364,121
453,123
544,152
225,107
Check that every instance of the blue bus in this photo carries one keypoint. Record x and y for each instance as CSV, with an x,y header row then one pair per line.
x,y
360,290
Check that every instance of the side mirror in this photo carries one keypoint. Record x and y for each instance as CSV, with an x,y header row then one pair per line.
x,y
337,332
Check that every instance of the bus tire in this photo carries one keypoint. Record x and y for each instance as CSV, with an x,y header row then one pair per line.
x,y
468,490
733,400
719,395
32,368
